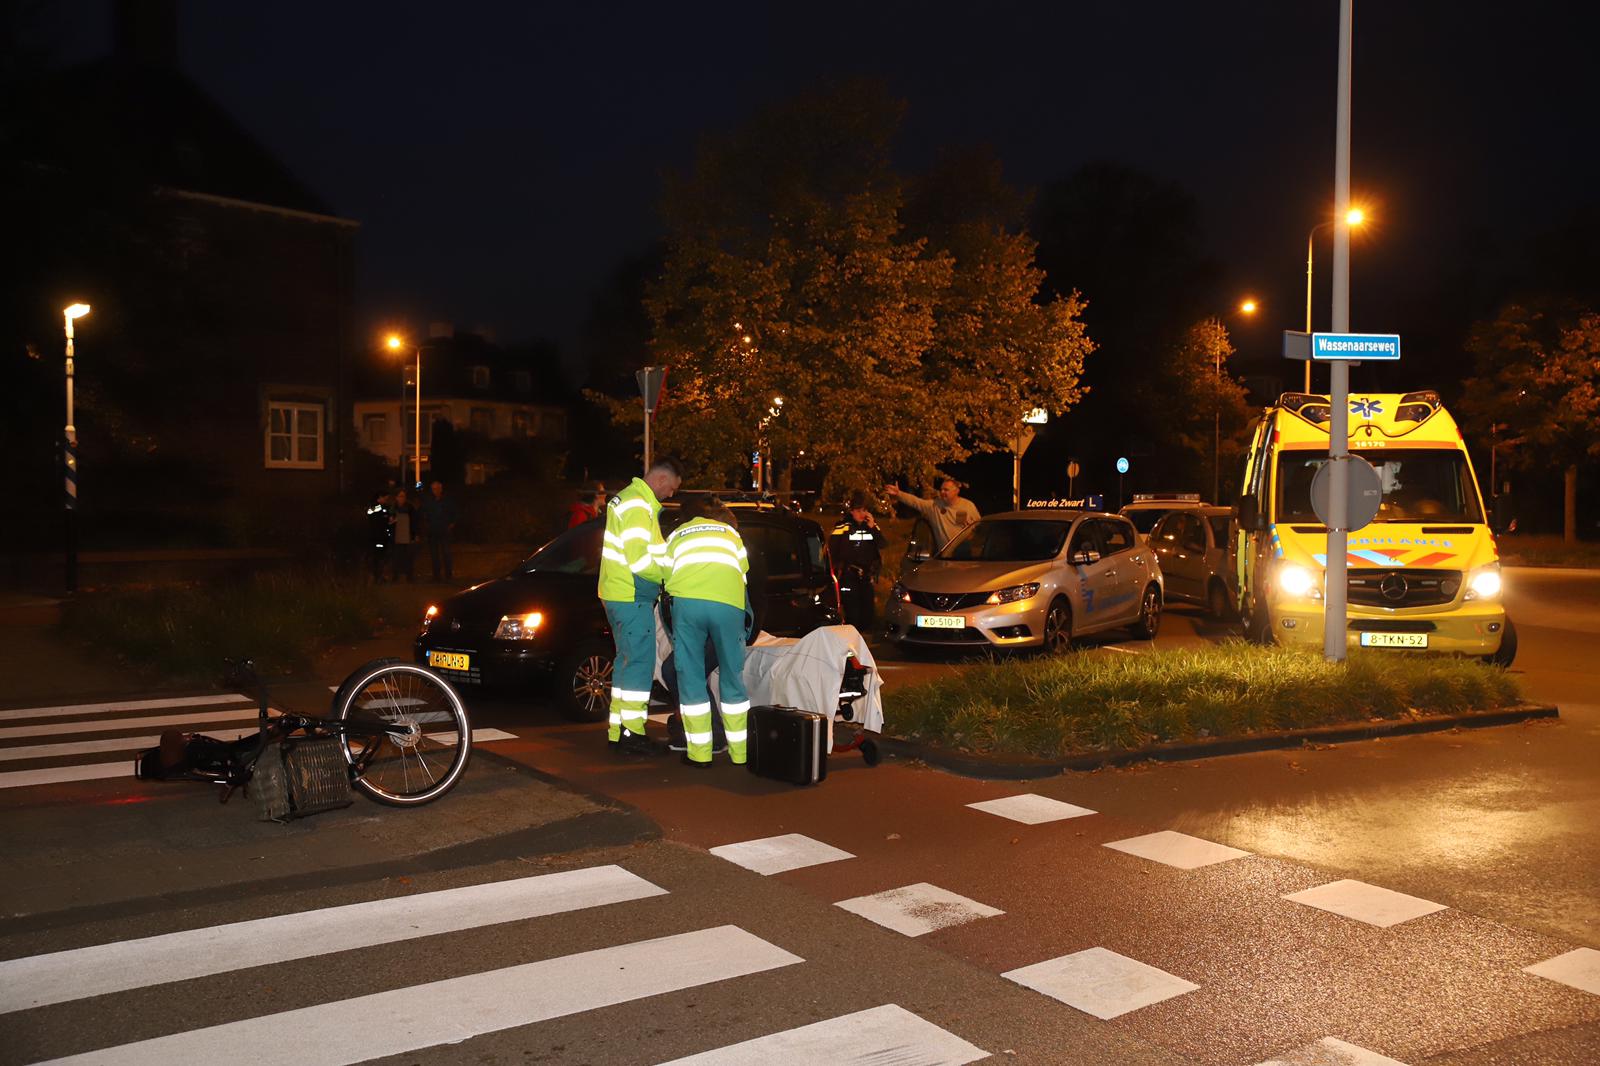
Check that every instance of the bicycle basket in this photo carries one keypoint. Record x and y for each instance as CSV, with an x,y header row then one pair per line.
x,y
302,777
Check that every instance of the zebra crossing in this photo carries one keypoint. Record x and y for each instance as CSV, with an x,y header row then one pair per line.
x,y
64,743
411,1018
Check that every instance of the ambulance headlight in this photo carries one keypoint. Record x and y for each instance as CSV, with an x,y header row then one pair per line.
x,y
1298,581
1484,584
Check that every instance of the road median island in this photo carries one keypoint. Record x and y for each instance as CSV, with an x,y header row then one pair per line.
x,y
1037,717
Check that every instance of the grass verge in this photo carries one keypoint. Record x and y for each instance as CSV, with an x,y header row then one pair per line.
x,y
282,621
1081,703
1548,551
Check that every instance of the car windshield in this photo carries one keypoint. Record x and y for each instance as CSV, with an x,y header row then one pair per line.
x,y
1419,485
577,551
1008,540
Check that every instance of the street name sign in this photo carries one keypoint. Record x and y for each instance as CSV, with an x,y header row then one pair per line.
x,y
1365,347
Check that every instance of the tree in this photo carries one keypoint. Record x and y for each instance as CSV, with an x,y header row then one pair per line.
x,y
1201,403
1538,376
790,272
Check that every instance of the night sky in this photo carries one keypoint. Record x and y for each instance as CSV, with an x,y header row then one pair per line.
x,y
503,158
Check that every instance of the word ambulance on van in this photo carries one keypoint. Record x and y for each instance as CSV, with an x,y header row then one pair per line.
x,y
1423,575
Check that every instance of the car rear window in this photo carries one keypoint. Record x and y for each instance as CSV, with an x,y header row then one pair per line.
x,y
577,551
1008,540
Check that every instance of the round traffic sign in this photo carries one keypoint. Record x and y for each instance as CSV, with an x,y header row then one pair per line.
x,y
1122,466
1072,468
1365,492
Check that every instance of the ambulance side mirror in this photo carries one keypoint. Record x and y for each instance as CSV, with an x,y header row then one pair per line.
x,y
1250,514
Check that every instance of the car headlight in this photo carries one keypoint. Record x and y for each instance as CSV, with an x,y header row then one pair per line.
x,y
898,592
1298,581
1013,594
429,615
519,626
1484,584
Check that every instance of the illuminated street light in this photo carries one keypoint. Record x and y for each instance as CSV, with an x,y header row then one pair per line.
x,y
394,342
69,456
1352,218
1248,307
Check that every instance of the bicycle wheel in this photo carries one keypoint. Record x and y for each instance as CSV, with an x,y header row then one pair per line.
x,y
408,739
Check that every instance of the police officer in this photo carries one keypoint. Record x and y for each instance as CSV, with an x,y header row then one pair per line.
x,y
706,568
633,562
856,546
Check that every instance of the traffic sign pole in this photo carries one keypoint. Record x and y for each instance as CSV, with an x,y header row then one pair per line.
x,y
650,379
1337,588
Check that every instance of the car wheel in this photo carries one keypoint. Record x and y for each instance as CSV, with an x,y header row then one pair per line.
x,y
584,682
1508,647
1058,628
1217,603
1149,623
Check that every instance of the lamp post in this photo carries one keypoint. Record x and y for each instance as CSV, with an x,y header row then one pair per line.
x,y
395,344
1354,217
763,455
69,457
1247,307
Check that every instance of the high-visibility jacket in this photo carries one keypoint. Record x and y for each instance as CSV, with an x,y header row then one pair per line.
x,y
633,557
706,560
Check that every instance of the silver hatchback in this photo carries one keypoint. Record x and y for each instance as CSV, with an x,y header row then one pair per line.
x,y
1029,579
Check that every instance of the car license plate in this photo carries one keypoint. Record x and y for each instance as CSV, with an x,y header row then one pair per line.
x,y
449,660
1394,640
941,621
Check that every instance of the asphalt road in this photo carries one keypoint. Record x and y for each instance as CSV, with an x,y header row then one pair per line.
x,y
1392,895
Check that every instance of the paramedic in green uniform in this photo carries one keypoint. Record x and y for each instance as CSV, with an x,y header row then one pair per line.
x,y
706,568
632,564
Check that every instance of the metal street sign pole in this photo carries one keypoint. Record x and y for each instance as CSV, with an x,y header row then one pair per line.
x,y
1336,590
649,379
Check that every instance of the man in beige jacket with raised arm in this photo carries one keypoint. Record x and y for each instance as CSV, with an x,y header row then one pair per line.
x,y
947,514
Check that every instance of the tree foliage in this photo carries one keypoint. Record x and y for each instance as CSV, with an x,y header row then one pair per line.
x,y
1537,381
792,270
1200,401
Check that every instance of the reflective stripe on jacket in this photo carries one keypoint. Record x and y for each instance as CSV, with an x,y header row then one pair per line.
x,y
706,560
633,547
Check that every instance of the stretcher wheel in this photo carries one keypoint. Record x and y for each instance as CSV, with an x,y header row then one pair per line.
x,y
869,752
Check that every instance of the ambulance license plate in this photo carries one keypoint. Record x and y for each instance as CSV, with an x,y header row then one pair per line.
x,y
941,621
449,660
1394,640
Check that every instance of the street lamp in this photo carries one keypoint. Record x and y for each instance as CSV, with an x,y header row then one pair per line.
x,y
1352,218
764,464
1247,307
395,344
69,457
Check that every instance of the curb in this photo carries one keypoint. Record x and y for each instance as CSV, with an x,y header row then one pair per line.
x,y
1025,768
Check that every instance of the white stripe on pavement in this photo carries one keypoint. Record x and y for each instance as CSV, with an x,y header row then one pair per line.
x,y
450,1011
95,971
886,1034
93,747
56,775
106,725
124,705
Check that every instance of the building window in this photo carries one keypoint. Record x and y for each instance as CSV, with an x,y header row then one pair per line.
x,y
408,424
482,421
521,424
522,381
480,377
375,428
294,435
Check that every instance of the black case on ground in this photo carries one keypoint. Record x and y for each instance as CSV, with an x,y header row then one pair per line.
x,y
787,744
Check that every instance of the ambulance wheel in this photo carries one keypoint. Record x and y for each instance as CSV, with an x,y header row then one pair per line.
x,y
1508,647
870,752
583,682
1217,602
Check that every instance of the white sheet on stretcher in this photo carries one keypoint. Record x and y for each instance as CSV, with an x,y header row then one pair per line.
x,y
803,672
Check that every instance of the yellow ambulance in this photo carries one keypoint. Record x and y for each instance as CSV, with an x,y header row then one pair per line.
x,y
1424,575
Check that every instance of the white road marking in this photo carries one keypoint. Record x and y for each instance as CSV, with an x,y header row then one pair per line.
x,y
1331,1051
918,909
1030,808
1177,849
106,725
1381,907
123,705
1100,982
886,1034
55,775
116,967
1579,968
406,1020
774,855
93,747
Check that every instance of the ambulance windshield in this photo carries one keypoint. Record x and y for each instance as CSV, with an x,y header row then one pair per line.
x,y
1419,485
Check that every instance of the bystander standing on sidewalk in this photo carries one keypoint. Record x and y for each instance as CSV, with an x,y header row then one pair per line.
x,y
440,514
591,501
403,518
947,514
380,534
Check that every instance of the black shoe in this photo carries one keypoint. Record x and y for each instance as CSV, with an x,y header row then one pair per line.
x,y
697,764
636,744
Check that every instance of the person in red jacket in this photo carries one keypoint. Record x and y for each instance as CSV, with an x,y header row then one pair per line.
x,y
591,502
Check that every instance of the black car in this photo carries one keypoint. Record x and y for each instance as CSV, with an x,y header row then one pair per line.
x,y
543,621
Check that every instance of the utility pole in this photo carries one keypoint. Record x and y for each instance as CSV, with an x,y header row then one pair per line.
x,y
1336,590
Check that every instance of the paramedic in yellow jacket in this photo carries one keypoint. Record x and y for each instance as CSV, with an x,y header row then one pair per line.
x,y
706,568
632,565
